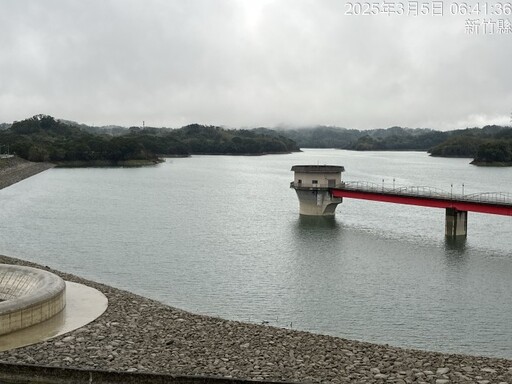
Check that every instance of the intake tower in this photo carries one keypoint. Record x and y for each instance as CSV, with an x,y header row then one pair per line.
x,y
312,184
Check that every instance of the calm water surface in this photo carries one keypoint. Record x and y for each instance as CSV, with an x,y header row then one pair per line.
x,y
222,236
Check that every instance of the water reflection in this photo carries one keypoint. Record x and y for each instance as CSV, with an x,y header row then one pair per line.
x,y
317,235
455,244
455,249
317,222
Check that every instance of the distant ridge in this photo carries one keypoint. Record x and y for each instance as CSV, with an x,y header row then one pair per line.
x,y
69,141
42,138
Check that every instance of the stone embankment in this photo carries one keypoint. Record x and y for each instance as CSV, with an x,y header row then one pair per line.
x,y
14,169
137,334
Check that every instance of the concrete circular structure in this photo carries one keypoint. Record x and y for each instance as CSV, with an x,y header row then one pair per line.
x,y
28,296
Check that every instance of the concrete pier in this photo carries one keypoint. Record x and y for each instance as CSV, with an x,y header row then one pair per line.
x,y
312,184
456,223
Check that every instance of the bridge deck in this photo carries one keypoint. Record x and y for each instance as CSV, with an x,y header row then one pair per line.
x,y
493,203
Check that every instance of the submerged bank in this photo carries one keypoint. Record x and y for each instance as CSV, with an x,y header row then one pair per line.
x,y
14,169
137,334
107,163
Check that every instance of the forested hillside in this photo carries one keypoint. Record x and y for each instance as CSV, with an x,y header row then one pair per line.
x,y
394,138
42,138
490,145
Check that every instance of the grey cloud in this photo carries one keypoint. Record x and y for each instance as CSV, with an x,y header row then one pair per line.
x,y
247,63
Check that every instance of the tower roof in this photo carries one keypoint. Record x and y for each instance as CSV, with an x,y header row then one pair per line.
x,y
318,168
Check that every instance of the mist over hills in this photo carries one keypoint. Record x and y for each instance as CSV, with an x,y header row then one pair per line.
x,y
398,138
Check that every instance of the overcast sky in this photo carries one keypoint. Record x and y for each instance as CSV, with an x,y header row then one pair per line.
x,y
245,63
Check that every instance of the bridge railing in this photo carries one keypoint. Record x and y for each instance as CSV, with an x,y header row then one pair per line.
x,y
491,197
502,198
293,184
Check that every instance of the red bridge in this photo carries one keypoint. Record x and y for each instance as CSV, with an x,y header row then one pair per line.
x,y
320,189
457,206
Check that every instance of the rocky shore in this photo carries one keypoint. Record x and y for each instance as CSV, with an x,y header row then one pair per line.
x,y
14,169
137,334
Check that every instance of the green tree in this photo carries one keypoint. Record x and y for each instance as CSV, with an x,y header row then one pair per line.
x,y
38,153
494,152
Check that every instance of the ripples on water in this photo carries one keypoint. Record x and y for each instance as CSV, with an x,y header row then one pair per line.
x,y
222,236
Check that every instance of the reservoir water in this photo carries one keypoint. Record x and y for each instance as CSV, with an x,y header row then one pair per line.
x,y
222,236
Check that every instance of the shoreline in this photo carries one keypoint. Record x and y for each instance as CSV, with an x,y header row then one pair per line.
x,y
140,335
108,164
14,169
491,163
